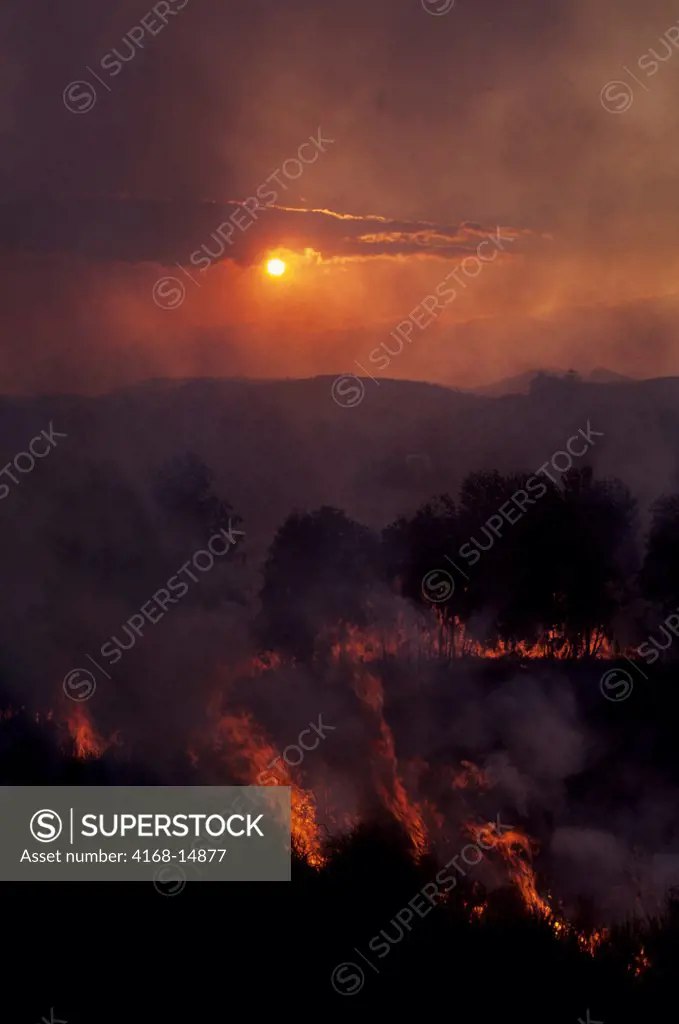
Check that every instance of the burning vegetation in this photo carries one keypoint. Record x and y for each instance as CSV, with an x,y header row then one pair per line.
x,y
363,656
87,743
256,762
344,624
517,849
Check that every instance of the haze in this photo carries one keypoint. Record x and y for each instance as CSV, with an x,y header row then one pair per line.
x,y
443,127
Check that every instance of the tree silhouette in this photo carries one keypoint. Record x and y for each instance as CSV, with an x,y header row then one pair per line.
x,y
659,576
529,561
596,556
319,573
509,524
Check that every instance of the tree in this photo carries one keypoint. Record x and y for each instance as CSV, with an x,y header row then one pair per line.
x,y
596,556
526,560
659,576
319,573
510,524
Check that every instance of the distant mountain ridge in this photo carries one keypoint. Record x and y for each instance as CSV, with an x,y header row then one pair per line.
x,y
521,383
400,444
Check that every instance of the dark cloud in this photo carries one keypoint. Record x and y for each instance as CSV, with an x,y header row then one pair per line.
x,y
134,231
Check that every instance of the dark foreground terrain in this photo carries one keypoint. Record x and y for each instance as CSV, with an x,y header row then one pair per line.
x,y
209,951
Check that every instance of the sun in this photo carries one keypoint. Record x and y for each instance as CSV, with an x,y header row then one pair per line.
x,y
275,268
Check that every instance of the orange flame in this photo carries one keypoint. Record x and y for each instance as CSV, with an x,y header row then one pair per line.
x,y
435,637
392,791
517,849
251,757
552,644
86,740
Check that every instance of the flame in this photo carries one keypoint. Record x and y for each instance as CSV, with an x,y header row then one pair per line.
x,y
551,644
435,637
86,740
394,794
517,850
252,756
391,790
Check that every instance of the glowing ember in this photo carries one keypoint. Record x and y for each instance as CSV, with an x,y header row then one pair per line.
x,y
640,963
268,661
470,775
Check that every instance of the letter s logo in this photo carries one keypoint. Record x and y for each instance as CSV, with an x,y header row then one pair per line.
x,y
46,826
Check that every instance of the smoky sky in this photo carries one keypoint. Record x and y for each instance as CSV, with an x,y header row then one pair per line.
x,y
555,120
